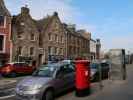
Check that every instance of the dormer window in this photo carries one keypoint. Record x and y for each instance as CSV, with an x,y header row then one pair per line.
x,y
1,21
32,37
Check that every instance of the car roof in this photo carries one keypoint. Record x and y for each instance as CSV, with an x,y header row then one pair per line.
x,y
15,63
57,65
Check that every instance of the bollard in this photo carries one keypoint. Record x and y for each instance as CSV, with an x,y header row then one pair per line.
x,y
82,82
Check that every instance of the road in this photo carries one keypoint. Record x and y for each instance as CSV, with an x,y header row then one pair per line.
x,y
112,90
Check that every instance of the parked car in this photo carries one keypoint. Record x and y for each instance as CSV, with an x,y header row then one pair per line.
x,y
95,70
46,82
14,68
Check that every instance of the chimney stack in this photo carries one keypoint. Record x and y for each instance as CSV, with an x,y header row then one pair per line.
x,y
25,10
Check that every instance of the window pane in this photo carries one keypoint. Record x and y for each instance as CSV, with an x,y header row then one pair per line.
x,y
56,38
1,42
1,20
20,50
50,50
32,37
32,51
50,36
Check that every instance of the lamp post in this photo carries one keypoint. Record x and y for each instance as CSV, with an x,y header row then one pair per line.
x,y
128,57
98,48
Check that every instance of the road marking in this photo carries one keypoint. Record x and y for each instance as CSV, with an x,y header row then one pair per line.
x,y
5,97
6,82
9,96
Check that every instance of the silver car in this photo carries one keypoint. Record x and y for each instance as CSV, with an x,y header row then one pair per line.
x,y
46,82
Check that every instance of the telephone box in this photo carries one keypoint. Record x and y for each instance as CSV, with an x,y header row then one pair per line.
x,y
82,82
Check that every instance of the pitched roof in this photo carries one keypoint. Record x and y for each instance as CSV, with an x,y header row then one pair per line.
x,y
3,9
42,23
75,33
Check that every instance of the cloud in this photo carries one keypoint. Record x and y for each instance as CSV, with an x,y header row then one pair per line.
x,y
88,27
40,8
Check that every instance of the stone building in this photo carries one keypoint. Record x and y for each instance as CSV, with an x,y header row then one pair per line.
x,y
77,45
37,41
5,33
25,38
92,49
52,37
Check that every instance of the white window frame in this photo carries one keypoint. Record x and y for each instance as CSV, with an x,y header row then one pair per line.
x,y
34,37
50,38
21,50
51,50
56,38
58,51
5,21
4,43
33,51
4,26
62,39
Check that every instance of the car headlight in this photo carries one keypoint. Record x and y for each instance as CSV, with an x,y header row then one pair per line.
x,y
35,87
28,88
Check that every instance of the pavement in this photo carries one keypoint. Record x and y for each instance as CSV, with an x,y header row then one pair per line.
x,y
111,90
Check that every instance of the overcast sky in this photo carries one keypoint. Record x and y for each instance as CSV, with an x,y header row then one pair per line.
x,y
109,20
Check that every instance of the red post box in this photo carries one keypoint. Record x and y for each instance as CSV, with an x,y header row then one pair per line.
x,y
82,78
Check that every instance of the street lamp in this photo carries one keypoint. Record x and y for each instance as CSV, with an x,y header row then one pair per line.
x,y
128,57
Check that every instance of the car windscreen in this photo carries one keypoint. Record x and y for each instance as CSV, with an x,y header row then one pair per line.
x,y
44,71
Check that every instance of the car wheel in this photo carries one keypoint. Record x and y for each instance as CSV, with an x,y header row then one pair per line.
x,y
12,74
48,95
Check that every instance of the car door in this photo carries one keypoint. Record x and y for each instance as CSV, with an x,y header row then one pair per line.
x,y
18,67
60,81
27,69
70,75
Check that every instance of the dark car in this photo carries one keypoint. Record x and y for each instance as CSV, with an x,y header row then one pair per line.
x,y
96,68
14,68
